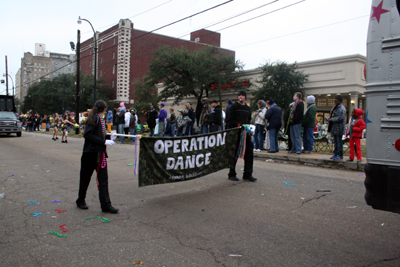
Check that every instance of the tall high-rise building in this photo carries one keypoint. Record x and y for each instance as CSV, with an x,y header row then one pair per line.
x,y
43,65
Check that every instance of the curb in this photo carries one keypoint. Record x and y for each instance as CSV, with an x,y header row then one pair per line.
x,y
309,161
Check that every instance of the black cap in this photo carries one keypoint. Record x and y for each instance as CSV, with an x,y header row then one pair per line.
x,y
215,101
243,93
271,101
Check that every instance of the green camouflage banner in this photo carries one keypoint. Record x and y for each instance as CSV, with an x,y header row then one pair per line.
x,y
176,159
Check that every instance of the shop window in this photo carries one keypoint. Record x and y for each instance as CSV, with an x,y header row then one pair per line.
x,y
321,102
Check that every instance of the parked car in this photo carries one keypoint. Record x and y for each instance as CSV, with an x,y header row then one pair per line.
x,y
9,123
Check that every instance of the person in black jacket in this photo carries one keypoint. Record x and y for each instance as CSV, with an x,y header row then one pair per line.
x,y
94,158
274,117
152,120
215,117
295,121
239,114
287,125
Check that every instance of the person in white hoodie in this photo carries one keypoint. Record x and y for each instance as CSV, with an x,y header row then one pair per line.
x,y
260,125
127,122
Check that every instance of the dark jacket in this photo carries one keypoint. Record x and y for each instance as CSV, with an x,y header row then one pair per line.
x,y
239,114
121,117
215,116
192,115
152,118
298,114
94,137
310,117
227,110
274,117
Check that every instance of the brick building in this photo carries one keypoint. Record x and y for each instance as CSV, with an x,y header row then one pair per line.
x,y
124,54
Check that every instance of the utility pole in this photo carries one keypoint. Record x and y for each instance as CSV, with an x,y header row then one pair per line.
x,y
6,77
78,60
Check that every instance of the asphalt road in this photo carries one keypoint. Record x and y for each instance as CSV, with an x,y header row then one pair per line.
x,y
209,221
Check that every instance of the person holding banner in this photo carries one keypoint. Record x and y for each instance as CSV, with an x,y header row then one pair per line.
x,y
240,114
94,158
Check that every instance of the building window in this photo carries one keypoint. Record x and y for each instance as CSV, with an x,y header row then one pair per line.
x,y
113,54
113,69
114,40
112,84
321,102
101,73
90,63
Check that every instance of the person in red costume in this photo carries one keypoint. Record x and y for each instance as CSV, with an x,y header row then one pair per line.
x,y
354,131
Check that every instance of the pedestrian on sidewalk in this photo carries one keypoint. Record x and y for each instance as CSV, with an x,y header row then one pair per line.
x,y
337,122
354,132
309,120
109,121
152,120
240,114
260,125
161,120
121,121
133,123
215,117
296,120
274,117
94,158
286,120
203,120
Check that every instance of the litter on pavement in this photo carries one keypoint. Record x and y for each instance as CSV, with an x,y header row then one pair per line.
x,y
288,184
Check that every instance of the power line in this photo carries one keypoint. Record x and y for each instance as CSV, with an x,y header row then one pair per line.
x,y
138,37
135,15
261,15
319,27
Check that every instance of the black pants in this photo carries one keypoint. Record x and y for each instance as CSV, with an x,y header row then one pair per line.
x,y
89,162
248,159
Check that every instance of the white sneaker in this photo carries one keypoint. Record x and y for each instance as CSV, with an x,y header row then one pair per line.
x,y
258,150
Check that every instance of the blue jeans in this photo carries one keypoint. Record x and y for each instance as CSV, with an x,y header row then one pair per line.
x,y
121,131
151,132
259,136
132,131
204,129
295,136
308,139
273,139
338,152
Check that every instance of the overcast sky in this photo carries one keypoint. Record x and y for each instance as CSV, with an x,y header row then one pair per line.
x,y
308,30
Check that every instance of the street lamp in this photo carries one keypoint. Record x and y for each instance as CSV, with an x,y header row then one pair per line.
x,y
95,53
11,80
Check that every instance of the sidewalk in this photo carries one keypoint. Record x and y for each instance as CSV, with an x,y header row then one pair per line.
x,y
314,159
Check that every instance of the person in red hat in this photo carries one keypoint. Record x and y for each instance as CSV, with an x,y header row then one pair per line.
x,y
354,131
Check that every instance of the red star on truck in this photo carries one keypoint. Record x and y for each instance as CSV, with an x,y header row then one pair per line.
x,y
378,11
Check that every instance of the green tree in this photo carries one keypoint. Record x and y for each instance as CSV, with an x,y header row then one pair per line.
x,y
190,73
146,95
279,81
59,94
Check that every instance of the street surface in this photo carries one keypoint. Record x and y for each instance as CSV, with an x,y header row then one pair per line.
x,y
209,221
